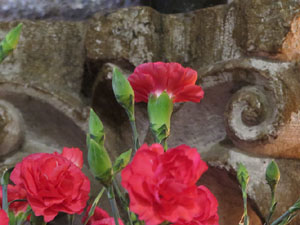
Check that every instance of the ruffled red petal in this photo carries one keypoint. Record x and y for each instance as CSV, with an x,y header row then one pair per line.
x,y
154,78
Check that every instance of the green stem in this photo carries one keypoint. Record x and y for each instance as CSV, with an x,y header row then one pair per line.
x,y
120,195
4,198
282,217
165,144
71,219
112,201
273,202
246,222
129,217
123,200
135,134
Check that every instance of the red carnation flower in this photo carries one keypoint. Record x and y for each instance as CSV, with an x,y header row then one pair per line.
x,y
15,193
53,184
3,217
100,217
162,185
154,78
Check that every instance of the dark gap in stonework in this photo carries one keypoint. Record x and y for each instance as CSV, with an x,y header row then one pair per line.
x,y
181,6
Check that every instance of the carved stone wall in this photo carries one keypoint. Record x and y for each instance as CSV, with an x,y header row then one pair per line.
x,y
242,52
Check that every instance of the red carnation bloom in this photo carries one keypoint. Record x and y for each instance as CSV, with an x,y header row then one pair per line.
x,y
3,217
53,184
154,78
162,185
100,217
14,193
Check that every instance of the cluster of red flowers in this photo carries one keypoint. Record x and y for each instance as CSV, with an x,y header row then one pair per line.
x,y
162,186
50,183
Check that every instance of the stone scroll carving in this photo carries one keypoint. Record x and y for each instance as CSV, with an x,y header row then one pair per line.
x,y
259,114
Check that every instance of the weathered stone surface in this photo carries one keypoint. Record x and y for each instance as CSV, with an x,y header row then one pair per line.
x,y
50,56
141,34
264,23
226,189
131,35
291,44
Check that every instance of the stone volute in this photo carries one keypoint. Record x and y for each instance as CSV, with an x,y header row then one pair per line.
x,y
11,128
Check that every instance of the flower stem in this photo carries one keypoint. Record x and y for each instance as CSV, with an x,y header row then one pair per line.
x,y
120,195
123,200
282,217
4,198
272,207
245,216
112,201
135,134
71,219
165,144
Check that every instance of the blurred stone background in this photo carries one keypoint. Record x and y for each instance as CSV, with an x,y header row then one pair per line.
x,y
246,53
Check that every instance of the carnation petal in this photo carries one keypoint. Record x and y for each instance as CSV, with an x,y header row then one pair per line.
x,y
3,217
74,155
177,81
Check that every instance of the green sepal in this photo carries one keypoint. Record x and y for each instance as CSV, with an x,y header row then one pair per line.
x,y
10,41
272,175
160,110
96,129
123,92
12,218
21,217
122,161
5,175
99,162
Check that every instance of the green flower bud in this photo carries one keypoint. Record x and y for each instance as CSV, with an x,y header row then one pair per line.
x,y
99,162
160,110
10,41
242,176
272,174
96,129
123,92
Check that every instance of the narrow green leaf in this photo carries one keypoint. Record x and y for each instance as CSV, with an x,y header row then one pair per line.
x,y
122,161
94,205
